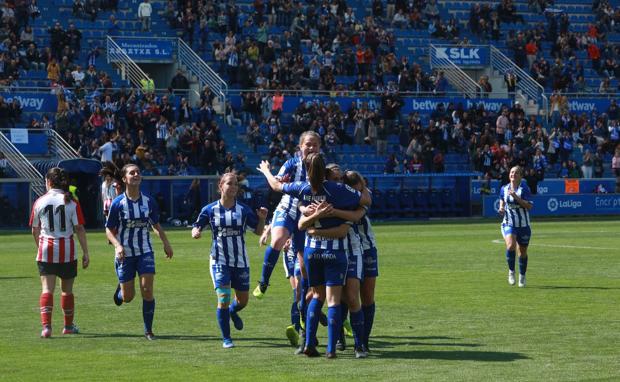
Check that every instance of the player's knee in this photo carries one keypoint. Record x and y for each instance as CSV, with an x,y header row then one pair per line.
x,y
277,242
223,297
147,292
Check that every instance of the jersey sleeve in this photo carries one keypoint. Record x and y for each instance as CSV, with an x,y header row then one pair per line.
x,y
34,216
154,212
294,189
113,221
251,219
203,218
286,168
78,217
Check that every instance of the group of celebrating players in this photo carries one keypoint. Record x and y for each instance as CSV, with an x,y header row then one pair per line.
x,y
321,223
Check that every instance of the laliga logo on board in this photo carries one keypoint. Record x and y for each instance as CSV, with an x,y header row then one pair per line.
x,y
552,204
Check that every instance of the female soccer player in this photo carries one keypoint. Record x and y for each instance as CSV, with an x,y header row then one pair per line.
x,y
110,189
325,258
54,218
284,222
230,266
514,205
127,228
351,297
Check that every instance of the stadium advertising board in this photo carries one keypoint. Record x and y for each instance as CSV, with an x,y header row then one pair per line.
x,y
146,50
33,102
475,56
588,105
546,187
410,104
555,205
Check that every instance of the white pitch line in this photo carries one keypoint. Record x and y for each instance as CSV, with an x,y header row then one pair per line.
x,y
560,246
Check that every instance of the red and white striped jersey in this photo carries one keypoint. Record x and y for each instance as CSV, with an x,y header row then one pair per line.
x,y
56,220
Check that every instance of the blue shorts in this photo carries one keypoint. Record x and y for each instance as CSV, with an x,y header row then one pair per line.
x,y
523,234
355,268
325,266
223,276
291,264
126,270
298,240
371,265
283,219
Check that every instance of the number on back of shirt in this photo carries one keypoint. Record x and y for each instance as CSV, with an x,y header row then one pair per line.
x,y
53,213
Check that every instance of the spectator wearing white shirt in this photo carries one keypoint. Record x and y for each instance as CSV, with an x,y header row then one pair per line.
x,y
107,150
78,75
144,14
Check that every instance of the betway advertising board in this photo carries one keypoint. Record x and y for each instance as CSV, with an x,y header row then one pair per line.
x,y
423,105
475,56
563,205
33,102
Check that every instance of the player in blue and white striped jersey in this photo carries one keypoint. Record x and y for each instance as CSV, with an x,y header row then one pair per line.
x,y
229,263
286,215
325,258
131,216
515,205
370,273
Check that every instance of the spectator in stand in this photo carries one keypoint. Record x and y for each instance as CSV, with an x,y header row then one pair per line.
x,y
144,14
179,81
53,71
615,162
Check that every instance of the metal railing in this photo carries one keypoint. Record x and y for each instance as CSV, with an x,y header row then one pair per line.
x,y
455,76
129,70
59,147
525,83
196,66
21,165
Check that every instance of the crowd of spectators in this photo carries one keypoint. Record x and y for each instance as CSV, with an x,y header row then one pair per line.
x,y
316,43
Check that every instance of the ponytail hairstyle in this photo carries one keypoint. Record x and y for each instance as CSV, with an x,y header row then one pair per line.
x,y
315,168
110,169
353,179
59,179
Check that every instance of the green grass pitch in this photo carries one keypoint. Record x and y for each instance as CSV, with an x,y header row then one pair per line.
x,y
444,313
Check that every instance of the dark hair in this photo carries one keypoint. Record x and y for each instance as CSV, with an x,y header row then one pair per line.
x,y
123,171
110,169
352,178
315,168
330,169
58,179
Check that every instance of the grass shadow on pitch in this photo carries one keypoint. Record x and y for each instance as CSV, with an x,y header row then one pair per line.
x,y
3,278
456,355
262,342
384,342
164,337
571,287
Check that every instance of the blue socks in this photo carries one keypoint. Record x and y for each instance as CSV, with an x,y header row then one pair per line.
x,y
510,259
303,303
357,323
223,318
344,312
234,307
269,262
369,317
295,312
522,265
312,321
148,311
334,323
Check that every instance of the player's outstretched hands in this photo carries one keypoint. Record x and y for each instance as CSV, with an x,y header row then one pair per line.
x,y
264,167
196,233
